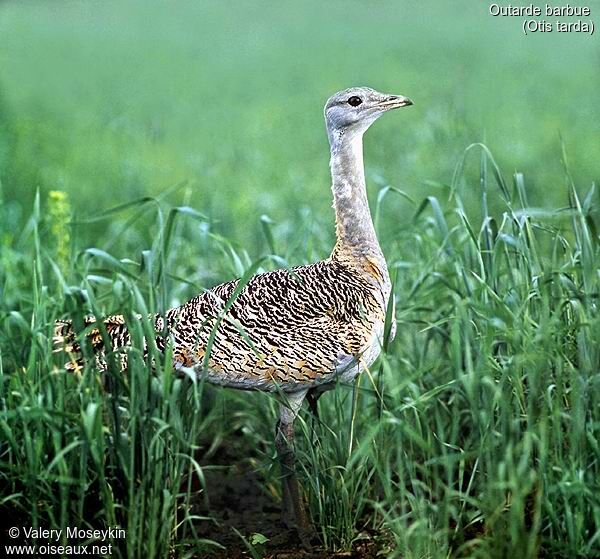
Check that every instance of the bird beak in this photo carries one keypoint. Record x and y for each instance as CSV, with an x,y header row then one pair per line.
x,y
395,102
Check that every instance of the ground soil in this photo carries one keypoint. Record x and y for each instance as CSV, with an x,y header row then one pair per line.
x,y
237,500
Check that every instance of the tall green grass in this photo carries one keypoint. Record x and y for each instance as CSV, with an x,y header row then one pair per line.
x,y
475,435
487,446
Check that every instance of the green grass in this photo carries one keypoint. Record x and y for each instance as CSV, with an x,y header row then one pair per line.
x,y
147,156
476,435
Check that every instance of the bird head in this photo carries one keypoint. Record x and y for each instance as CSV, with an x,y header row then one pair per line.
x,y
352,111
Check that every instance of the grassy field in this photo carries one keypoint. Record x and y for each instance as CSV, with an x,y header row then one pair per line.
x,y
151,150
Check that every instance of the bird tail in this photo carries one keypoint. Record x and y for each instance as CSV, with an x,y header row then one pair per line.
x,y
65,340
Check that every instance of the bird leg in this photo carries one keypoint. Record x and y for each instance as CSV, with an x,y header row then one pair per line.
x,y
312,397
293,508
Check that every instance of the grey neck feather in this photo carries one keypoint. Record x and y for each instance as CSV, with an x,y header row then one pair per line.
x,y
354,226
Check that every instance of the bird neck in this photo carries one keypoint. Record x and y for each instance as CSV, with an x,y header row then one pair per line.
x,y
355,232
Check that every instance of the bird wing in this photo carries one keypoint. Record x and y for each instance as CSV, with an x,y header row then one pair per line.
x,y
283,329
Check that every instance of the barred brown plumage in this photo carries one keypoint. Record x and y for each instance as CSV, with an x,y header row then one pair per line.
x,y
285,329
289,331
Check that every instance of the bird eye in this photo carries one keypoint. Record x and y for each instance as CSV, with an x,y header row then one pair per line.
x,y
354,101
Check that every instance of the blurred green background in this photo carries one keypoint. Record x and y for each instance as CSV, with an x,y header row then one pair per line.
x,y
485,443
111,101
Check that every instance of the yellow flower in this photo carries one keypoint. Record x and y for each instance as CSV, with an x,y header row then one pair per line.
x,y
59,215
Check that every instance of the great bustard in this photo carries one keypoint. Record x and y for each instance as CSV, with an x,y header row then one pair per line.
x,y
293,332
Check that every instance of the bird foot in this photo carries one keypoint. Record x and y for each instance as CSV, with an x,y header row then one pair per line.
x,y
308,538
304,532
